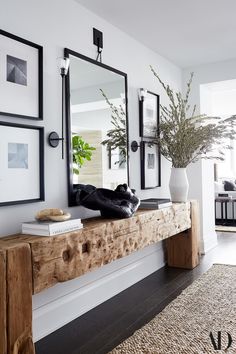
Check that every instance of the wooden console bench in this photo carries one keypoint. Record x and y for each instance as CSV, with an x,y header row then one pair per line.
x,y
30,264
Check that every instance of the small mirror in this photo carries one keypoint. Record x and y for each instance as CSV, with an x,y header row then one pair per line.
x,y
97,124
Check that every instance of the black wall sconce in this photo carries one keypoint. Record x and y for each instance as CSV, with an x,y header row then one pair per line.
x,y
134,146
53,138
142,93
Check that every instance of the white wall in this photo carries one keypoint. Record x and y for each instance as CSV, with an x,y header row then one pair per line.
x,y
202,177
56,24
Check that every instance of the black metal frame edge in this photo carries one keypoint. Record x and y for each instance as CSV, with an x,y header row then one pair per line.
x,y
141,128
40,76
67,53
142,155
41,164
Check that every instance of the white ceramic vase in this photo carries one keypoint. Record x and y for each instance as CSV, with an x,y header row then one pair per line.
x,y
178,185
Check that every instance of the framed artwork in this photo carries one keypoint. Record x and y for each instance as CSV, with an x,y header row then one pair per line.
x,y
150,165
21,77
115,159
21,164
149,115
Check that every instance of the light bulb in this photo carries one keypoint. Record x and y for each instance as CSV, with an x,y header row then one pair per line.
x,y
142,93
63,64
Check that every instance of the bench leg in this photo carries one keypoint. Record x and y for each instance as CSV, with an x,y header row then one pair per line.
x,y
16,300
3,302
183,248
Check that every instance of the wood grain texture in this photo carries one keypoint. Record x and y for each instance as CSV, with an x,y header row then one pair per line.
x,y
19,295
101,241
3,322
183,249
67,256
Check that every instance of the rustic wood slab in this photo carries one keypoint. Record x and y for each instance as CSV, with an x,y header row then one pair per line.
x,y
101,241
65,257
19,304
3,302
183,248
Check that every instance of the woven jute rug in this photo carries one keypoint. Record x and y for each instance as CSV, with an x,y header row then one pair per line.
x,y
200,320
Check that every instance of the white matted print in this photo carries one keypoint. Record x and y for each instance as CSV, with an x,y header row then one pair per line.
x,y
150,165
18,155
21,164
20,77
149,115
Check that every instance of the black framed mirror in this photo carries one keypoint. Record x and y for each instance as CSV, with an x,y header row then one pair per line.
x,y
97,125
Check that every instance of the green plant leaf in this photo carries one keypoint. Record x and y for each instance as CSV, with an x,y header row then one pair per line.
x,y
82,152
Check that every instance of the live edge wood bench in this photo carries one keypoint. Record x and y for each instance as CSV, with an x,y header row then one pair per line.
x,y
30,264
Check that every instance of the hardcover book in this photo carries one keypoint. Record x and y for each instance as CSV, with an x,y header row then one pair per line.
x,y
155,203
50,228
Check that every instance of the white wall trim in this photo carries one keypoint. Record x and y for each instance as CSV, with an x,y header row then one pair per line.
x,y
209,241
55,314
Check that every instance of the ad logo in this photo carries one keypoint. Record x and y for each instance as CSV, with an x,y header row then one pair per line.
x,y
217,341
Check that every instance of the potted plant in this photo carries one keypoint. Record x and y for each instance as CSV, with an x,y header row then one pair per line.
x,y
82,152
184,138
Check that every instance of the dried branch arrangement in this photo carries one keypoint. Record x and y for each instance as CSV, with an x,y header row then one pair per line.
x,y
184,138
117,135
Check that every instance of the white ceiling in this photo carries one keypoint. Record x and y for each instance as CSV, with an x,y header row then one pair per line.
x,y
188,32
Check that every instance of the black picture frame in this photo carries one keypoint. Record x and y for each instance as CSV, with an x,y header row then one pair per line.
x,y
150,165
72,188
148,130
17,72
20,166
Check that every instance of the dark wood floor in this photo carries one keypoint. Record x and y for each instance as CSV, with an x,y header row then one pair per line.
x,y
103,328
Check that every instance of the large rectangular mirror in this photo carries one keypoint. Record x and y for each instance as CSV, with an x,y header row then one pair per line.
x,y
97,124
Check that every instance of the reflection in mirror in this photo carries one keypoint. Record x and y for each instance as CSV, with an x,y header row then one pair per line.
x,y
97,124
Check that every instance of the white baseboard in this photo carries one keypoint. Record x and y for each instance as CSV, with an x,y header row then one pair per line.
x,y
61,304
208,242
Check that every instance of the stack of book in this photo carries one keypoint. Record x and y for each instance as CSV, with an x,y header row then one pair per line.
x,y
155,203
51,228
224,196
